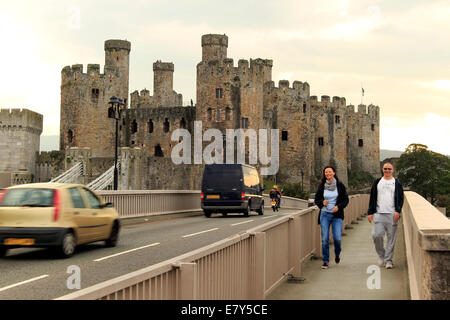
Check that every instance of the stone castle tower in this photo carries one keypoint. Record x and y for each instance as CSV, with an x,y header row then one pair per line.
x,y
85,96
312,133
20,131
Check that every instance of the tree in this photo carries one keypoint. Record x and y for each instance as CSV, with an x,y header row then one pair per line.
x,y
424,171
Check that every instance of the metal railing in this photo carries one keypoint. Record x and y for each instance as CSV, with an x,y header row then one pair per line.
x,y
70,175
245,266
104,181
138,203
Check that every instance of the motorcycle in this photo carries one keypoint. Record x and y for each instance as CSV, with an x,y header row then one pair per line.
x,y
275,206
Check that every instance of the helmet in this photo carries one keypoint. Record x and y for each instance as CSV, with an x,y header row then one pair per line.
x,y
275,187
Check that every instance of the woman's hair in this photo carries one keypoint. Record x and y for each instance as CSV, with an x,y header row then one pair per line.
x,y
322,181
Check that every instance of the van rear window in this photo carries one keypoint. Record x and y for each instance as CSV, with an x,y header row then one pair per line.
x,y
222,178
28,198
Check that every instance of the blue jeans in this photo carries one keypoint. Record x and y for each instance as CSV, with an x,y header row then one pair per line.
x,y
327,219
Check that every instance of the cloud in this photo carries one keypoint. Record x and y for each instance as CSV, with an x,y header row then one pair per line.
x,y
432,130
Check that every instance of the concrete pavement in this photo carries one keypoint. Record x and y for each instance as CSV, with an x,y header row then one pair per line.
x,y
349,279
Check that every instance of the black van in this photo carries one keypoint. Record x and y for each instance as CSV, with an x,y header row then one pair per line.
x,y
231,188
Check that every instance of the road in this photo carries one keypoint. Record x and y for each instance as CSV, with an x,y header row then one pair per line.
x,y
28,273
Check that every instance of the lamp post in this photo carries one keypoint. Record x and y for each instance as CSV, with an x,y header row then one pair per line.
x,y
114,112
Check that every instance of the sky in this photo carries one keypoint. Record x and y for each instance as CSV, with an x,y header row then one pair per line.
x,y
398,51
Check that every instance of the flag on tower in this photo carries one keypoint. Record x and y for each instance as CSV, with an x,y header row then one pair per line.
x,y
362,90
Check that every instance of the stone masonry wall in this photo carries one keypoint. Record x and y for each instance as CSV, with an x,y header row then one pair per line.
x,y
20,131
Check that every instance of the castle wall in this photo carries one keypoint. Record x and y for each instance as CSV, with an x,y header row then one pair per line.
x,y
329,136
20,131
364,125
162,120
291,114
84,100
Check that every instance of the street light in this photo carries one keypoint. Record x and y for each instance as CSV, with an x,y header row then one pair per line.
x,y
114,112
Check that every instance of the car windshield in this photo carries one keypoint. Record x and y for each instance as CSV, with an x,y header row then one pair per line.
x,y
222,178
28,198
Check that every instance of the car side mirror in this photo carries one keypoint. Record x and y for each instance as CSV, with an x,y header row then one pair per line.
x,y
108,205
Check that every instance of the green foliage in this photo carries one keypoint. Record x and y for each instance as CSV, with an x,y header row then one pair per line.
x,y
425,172
358,179
293,190
443,200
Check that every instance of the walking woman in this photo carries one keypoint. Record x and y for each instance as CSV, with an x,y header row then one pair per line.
x,y
331,198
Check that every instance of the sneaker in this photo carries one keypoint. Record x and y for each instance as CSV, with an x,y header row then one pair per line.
x,y
389,265
337,259
381,262
325,265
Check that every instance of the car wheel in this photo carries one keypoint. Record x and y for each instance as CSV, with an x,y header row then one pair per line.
x,y
261,209
68,245
207,213
3,251
114,236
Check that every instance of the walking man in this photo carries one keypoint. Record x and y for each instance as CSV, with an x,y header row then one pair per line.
x,y
385,207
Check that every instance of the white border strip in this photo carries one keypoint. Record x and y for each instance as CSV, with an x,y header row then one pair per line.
x,y
194,234
24,282
128,251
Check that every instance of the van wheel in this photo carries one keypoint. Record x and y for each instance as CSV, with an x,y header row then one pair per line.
x,y
68,244
261,209
3,251
114,236
247,210
207,213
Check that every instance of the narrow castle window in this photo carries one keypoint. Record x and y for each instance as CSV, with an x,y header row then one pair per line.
x,y
183,123
320,141
150,126
304,108
219,93
166,125
95,93
227,113
360,142
158,151
244,123
337,119
209,114
218,114
134,127
284,135
69,136
372,126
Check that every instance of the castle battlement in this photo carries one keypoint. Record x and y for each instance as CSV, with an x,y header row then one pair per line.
x,y
115,44
325,101
21,118
75,72
163,66
370,110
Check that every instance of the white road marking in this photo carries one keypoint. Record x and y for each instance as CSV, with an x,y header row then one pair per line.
x,y
268,217
235,224
128,251
24,282
194,234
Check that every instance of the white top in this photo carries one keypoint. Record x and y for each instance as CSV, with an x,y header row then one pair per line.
x,y
385,197
331,196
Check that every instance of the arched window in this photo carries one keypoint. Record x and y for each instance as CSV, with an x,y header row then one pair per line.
x,y
227,113
69,136
134,126
209,114
183,123
158,151
166,125
150,126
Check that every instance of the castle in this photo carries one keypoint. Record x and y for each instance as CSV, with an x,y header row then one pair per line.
x,y
313,133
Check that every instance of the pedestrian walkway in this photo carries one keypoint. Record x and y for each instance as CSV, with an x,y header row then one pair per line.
x,y
348,280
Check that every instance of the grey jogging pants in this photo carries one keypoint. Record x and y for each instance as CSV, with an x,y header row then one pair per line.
x,y
383,223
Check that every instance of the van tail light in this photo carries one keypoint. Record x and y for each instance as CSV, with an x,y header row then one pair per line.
x,y
242,196
202,196
2,195
56,204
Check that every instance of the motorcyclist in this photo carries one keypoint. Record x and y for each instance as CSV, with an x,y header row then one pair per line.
x,y
276,194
